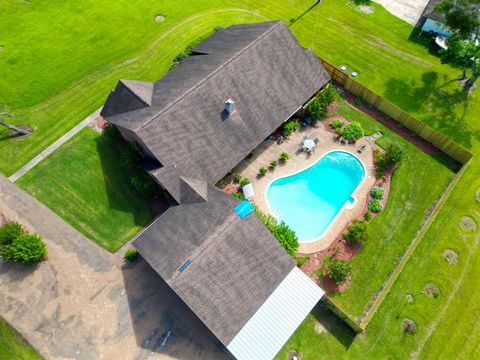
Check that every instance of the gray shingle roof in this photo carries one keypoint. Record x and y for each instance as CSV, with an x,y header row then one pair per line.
x,y
429,10
235,264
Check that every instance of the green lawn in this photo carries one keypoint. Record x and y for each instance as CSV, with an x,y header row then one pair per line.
x,y
412,194
85,182
54,84
13,346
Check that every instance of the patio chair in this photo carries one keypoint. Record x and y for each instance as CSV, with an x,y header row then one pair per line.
x,y
360,150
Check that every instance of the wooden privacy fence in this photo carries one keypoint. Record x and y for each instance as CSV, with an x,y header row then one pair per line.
x,y
427,133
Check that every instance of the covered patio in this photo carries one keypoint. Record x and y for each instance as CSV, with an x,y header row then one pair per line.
x,y
303,154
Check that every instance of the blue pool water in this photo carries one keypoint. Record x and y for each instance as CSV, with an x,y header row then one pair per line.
x,y
309,200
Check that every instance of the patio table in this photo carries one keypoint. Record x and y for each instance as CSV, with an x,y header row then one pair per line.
x,y
308,144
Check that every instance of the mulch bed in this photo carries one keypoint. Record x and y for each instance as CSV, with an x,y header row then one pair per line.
x,y
393,125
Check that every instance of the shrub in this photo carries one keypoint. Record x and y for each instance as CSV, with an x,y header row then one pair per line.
x,y
221,183
132,154
375,206
337,124
367,216
339,270
301,260
281,231
315,109
9,232
131,255
27,248
237,178
409,326
327,95
262,171
352,131
377,193
357,232
244,181
144,184
284,156
273,164
393,155
290,126
358,100
238,196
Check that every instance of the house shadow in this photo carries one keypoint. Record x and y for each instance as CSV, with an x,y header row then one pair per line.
x,y
117,181
327,321
443,106
155,310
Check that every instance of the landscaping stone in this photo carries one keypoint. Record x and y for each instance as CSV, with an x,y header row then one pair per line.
x,y
409,326
159,18
367,9
468,224
294,355
409,298
451,256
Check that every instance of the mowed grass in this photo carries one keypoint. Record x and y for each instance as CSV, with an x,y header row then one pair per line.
x,y
85,182
412,194
13,346
376,45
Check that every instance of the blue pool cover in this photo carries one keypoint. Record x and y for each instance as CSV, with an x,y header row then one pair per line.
x,y
244,209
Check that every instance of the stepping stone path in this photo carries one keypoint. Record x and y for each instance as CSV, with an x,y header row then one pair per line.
x,y
451,256
468,224
374,137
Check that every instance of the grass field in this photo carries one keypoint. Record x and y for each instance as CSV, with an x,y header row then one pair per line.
x,y
74,75
13,346
85,183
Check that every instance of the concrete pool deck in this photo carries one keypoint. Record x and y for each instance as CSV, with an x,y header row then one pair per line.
x,y
299,160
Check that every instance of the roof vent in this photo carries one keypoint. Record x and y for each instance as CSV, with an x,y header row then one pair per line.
x,y
229,106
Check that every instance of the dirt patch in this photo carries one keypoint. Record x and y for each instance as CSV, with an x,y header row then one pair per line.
x,y
468,224
332,108
17,136
409,326
432,290
366,9
451,256
294,355
331,286
159,18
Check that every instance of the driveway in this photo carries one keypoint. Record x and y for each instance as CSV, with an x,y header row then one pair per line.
x,y
408,10
85,303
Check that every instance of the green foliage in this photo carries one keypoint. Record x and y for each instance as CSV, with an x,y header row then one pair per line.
x,y
375,206
377,192
358,100
238,196
352,131
145,185
237,178
131,154
337,124
367,216
244,181
393,155
221,183
301,260
290,126
356,233
113,134
461,16
9,232
284,156
27,248
327,95
273,164
131,255
339,270
177,60
262,171
315,109
281,231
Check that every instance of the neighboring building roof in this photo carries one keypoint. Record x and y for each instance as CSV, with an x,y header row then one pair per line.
x,y
266,332
224,266
261,67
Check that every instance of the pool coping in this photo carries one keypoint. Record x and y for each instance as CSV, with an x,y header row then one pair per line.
x,y
344,206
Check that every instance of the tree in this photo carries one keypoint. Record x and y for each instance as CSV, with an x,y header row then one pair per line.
x,y
462,17
393,155
357,232
6,114
339,270
352,131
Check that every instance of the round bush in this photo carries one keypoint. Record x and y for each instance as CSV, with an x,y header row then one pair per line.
x,y
244,181
357,232
352,131
27,248
284,156
9,232
339,270
273,164
131,255
377,193
337,124
262,171
375,206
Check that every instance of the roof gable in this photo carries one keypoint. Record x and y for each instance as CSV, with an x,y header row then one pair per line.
x,y
129,95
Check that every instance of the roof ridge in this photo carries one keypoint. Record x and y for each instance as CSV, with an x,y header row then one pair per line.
x,y
236,55
133,92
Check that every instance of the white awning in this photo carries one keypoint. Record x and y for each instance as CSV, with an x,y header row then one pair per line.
x,y
277,319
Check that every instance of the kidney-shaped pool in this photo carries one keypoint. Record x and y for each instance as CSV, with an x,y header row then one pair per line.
x,y
309,201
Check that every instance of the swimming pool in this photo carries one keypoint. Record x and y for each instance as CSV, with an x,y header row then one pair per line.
x,y
310,200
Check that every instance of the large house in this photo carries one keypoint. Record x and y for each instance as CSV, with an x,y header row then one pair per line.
x,y
196,124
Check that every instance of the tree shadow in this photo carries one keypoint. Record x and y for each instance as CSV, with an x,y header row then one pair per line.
x,y
155,310
441,106
332,324
294,20
121,194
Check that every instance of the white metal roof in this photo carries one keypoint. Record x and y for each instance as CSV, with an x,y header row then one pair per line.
x,y
279,316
